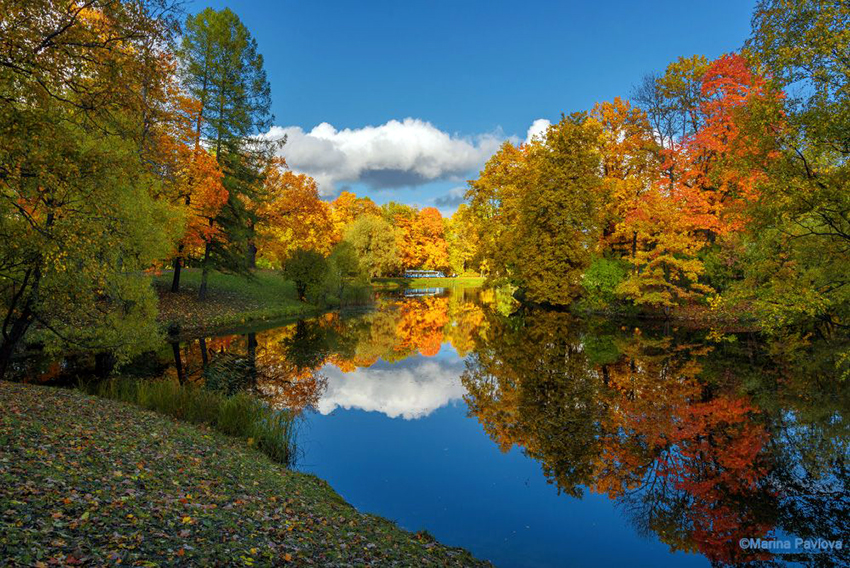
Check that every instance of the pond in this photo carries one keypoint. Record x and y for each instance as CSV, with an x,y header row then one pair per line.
x,y
539,439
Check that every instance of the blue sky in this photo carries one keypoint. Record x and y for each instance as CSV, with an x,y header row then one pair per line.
x,y
468,73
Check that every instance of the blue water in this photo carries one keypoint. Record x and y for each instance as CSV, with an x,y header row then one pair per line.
x,y
433,468
701,443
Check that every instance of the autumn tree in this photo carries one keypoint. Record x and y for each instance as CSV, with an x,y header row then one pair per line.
x,y
672,100
797,270
462,240
223,71
81,84
375,243
292,216
347,208
344,268
630,160
307,269
540,205
421,240
708,180
194,180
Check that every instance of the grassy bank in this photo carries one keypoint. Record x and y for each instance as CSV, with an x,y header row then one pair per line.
x,y
400,283
239,415
231,300
90,481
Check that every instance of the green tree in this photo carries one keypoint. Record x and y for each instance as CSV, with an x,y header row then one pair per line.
x,y
343,268
797,269
374,240
222,69
79,219
537,208
308,270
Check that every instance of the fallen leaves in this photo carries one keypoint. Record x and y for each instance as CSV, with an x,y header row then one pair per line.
x,y
195,497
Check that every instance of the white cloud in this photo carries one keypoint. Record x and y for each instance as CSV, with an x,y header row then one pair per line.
x,y
413,391
397,154
537,129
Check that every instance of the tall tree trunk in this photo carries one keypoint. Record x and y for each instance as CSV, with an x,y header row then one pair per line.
x,y
205,270
175,279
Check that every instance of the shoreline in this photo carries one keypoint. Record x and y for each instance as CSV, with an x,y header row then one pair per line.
x,y
142,487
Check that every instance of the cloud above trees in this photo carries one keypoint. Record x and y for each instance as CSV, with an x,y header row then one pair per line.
x,y
397,154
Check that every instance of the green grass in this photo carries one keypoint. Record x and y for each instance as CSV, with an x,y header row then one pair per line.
x,y
231,300
458,282
95,482
239,415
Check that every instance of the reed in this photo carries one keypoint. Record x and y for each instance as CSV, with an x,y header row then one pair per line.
x,y
240,415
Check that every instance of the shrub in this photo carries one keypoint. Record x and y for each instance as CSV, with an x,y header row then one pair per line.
x,y
307,269
600,282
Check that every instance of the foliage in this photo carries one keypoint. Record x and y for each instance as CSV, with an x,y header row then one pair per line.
x,y
79,176
308,270
537,211
344,271
421,240
797,262
375,244
463,242
292,216
601,280
347,208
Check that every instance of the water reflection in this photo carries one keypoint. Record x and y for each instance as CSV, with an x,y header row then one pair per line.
x,y
385,360
699,439
411,389
701,443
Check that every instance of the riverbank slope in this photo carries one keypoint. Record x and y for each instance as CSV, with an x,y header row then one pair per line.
x,y
90,481
231,301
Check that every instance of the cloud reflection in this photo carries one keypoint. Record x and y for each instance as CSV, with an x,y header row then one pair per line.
x,y
411,389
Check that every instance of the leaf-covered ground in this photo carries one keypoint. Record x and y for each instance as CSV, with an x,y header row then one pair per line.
x,y
87,481
231,300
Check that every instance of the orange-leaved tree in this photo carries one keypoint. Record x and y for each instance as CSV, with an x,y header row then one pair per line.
x,y
706,181
421,240
292,216
196,181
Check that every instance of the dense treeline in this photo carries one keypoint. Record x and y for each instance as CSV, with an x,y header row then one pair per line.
x,y
130,143
721,183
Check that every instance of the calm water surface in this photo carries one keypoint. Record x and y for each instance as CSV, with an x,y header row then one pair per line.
x,y
536,439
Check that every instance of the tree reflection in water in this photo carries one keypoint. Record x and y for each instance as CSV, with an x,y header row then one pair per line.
x,y
702,439
701,442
